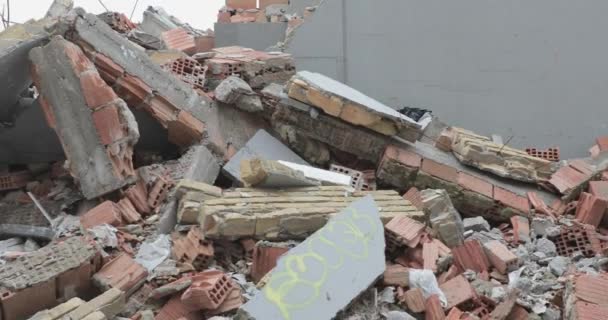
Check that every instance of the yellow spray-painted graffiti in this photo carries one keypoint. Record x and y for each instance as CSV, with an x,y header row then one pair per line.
x,y
299,283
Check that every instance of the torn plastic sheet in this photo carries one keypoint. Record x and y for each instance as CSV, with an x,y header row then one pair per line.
x,y
425,280
152,254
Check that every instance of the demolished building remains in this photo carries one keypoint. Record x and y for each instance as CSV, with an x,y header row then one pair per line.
x,y
185,181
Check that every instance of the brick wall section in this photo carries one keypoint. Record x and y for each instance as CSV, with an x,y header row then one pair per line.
x,y
399,168
138,80
95,127
46,277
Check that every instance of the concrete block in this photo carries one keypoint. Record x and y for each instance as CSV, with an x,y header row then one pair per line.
x,y
350,268
476,224
272,174
443,216
263,146
350,105
289,214
96,129
479,151
110,303
235,90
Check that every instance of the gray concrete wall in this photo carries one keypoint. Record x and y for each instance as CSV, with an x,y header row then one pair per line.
x,y
534,70
257,36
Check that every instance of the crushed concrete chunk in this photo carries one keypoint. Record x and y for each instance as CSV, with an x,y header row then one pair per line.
x,y
344,258
476,224
443,217
272,174
235,90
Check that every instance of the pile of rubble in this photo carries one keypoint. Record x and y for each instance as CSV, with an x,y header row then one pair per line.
x,y
222,183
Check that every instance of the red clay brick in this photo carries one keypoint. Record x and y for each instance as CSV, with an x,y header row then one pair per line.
x,y
454,314
232,302
590,209
539,204
108,66
106,213
567,178
14,180
440,170
414,197
122,273
518,313
430,254
96,92
162,110
138,195
264,260
452,272
128,211
604,176
471,256
176,309
193,249
499,255
223,17
242,4
414,300
209,289
78,59
476,184
511,200
433,309
457,291
402,230
521,228
599,188
132,90
24,303
186,130
402,156
108,124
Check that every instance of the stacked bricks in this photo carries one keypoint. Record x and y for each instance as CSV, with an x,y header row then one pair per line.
x,y
44,278
403,169
208,290
14,180
551,154
139,81
95,127
189,71
193,249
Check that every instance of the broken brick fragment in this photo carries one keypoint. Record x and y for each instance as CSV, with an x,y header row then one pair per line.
x,y
209,290
414,197
128,212
160,190
107,212
433,309
414,300
138,195
265,257
471,256
403,231
193,249
14,180
457,291
179,39
396,275
591,209
430,254
122,273
521,229
439,170
501,258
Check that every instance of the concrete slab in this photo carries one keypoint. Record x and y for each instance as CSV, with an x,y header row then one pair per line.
x,y
263,146
322,275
